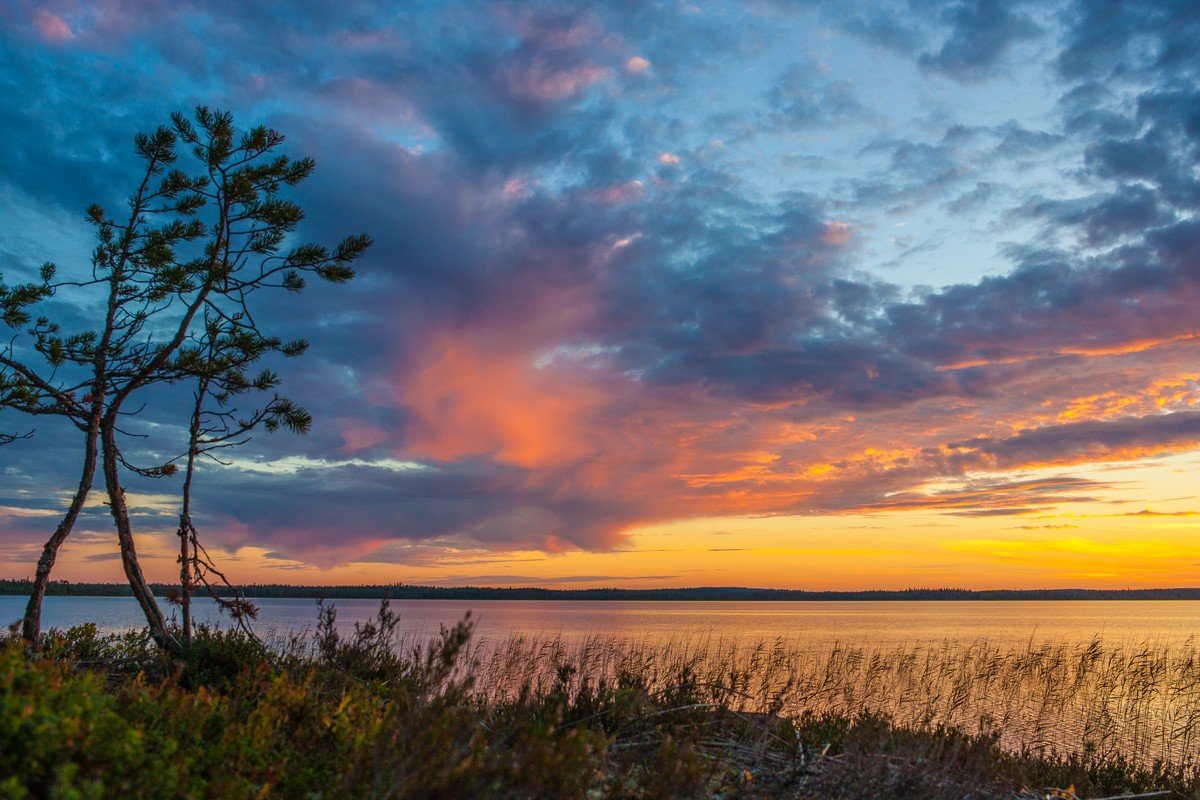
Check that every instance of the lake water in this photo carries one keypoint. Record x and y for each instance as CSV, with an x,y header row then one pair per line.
x,y
802,624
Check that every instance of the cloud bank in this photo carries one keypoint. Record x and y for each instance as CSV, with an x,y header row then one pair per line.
x,y
648,262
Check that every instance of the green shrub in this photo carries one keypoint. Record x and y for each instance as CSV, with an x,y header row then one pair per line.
x,y
217,658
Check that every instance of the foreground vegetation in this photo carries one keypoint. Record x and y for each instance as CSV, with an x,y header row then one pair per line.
x,y
366,714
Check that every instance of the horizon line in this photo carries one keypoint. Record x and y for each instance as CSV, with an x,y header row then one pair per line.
x,y
400,590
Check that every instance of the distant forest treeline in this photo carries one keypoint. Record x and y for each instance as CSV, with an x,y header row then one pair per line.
x,y
400,591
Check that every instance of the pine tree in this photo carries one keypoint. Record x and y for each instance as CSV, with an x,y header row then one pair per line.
x,y
194,250
219,362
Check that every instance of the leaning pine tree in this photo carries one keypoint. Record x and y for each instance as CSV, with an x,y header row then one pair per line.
x,y
194,247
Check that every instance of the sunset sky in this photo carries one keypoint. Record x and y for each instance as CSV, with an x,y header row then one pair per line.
x,y
795,294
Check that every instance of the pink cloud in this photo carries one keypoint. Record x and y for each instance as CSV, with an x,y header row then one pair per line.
x,y
51,27
358,436
551,33
618,193
636,65
538,82
836,234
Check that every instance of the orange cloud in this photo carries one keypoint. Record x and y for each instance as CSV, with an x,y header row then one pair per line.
x,y
1122,348
1157,395
472,400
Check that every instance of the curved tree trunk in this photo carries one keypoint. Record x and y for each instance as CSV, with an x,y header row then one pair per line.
x,y
31,624
133,570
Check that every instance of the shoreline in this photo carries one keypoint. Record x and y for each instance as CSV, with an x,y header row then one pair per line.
x,y
19,587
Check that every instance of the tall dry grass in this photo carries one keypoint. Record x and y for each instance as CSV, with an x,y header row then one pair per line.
x,y
1109,701
454,716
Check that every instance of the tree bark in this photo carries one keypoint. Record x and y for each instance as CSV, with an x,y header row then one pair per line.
x,y
31,624
185,578
187,554
133,570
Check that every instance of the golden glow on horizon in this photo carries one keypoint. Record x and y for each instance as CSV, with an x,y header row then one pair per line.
x,y
1144,532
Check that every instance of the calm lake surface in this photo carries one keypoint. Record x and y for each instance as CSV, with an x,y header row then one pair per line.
x,y
801,624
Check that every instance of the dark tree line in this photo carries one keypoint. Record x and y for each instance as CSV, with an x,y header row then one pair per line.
x,y
398,591
177,278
